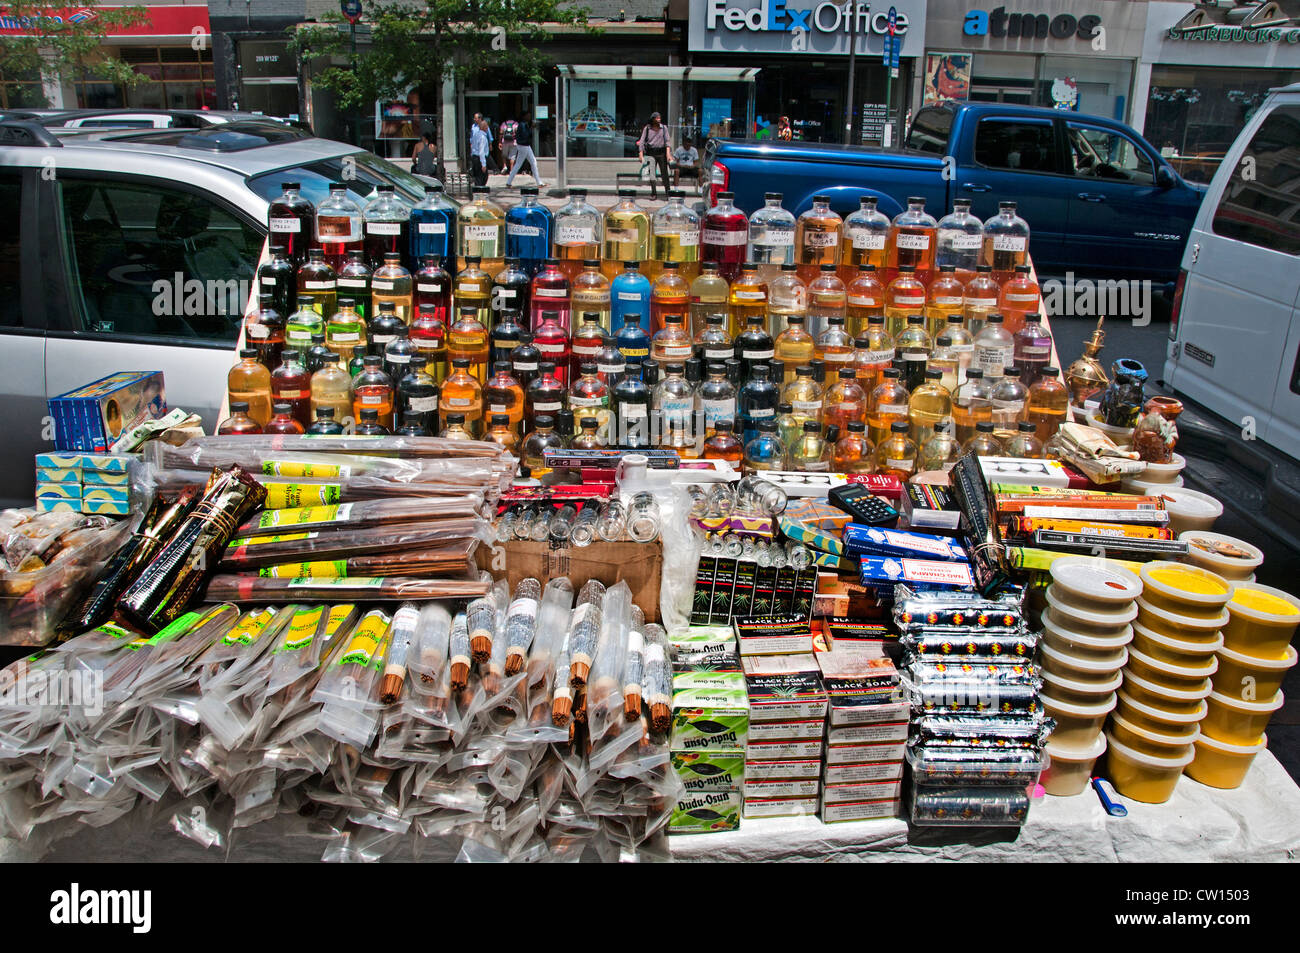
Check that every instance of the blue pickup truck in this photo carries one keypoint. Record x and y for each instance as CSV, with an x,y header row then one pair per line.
x,y
1100,201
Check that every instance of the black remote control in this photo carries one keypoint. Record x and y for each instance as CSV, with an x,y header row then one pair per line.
x,y
856,500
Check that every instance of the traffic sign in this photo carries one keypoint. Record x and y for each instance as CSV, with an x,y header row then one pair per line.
x,y
351,9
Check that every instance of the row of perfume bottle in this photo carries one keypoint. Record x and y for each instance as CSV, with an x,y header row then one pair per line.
x,y
637,520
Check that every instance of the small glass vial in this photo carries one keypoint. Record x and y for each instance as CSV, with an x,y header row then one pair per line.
x,y
535,445
1025,443
983,444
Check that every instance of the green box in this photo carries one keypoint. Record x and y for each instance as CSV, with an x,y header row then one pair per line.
x,y
710,712
706,813
709,770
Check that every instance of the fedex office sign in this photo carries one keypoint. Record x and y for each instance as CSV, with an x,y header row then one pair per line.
x,y
775,16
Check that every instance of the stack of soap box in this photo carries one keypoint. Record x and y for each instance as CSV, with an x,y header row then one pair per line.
x,y
704,648
83,483
93,417
865,737
787,718
707,750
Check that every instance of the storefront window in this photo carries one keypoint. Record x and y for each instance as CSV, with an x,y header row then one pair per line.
x,y
21,90
1194,113
606,116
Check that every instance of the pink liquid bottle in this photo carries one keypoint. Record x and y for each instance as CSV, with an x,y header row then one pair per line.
x,y
550,292
725,236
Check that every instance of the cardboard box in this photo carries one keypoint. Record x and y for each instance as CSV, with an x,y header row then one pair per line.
x,y
773,635
710,712
869,710
861,540
929,508
784,688
784,749
859,811
640,565
871,751
860,772
877,731
888,790
793,787
702,638
706,812
781,807
881,574
709,770
802,729
782,770
93,417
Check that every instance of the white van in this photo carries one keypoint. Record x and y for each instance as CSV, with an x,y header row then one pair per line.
x,y
1235,334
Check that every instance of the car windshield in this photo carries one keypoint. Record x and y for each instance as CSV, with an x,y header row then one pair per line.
x,y
930,131
363,172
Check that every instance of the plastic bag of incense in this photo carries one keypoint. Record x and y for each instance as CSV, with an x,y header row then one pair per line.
x,y
452,560
196,456
259,589
252,552
584,630
296,492
349,690
605,685
362,515
172,578
306,640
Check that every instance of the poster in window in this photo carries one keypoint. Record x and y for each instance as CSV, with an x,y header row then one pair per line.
x,y
947,76
591,108
715,116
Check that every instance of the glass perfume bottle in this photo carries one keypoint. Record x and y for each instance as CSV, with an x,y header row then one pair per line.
x,y
633,341
345,330
481,233
709,293
291,220
552,342
416,398
473,289
912,351
588,339
544,395
578,232
972,404
674,401
983,444
1010,403
715,399
912,237
374,389
591,292
610,363
331,386
864,299
794,347
669,295
963,344
429,334
382,327
981,299
725,236
369,425
714,342
807,453
357,364
461,393
747,297
468,339
887,404
844,401
455,428
722,444
675,231
1048,404
756,401
264,331
503,396
387,227
787,296
959,240
1006,241
873,352
804,395
819,233
866,236
630,294
433,226
324,425
630,413
588,438
834,346
626,234
316,355
754,346
529,227
904,297
897,455
505,336
1019,297
354,282
1025,442
929,404
550,293
945,296
852,452
339,227
765,451
1033,349
433,287
771,237
995,348
283,421
589,396
279,279
318,279
941,451
672,343
947,362
827,298
512,288
250,383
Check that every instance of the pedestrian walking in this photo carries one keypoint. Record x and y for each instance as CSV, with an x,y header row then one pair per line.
x,y
524,153
425,160
478,148
654,142
509,130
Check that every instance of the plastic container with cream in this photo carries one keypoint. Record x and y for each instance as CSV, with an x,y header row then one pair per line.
x,y
1177,701
1185,589
1157,719
1071,767
1077,725
1144,777
1237,721
1168,648
1240,673
1262,620
1221,764
1168,740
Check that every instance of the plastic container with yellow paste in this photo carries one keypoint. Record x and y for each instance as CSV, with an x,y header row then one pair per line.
x,y
1082,669
1240,673
1167,741
1185,589
1177,701
1179,626
1167,674
1261,621
1174,650
1144,777
1237,721
1077,725
1071,767
1221,764
1157,719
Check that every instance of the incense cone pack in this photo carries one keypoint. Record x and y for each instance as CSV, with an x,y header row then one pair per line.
x,y
927,507
860,540
710,712
172,578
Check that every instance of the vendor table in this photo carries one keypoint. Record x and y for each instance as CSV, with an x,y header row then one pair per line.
x,y
1259,821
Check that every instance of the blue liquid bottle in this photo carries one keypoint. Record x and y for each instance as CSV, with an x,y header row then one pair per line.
x,y
632,340
629,293
756,402
529,227
433,226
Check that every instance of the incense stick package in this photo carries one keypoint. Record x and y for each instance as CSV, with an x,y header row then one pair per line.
x,y
633,669
521,622
361,515
550,633
252,552
1026,526
584,630
246,589
158,523
306,640
605,685
195,455
454,560
988,559
171,579
397,446
428,656
658,679
481,619
401,633
459,652
349,690
561,689
296,492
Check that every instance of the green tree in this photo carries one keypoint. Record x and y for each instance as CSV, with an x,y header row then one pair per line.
x,y
57,47
413,43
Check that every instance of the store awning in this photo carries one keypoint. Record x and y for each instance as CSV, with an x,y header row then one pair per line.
x,y
685,74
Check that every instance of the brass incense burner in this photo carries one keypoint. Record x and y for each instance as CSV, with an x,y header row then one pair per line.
x,y
1086,377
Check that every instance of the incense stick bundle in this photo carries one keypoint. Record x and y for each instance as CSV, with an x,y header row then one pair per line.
x,y
584,630
459,652
254,552
194,455
658,679
395,446
363,514
294,492
455,560
983,540
245,589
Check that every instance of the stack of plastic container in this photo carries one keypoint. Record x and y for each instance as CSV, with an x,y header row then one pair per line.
x,y
977,732
1167,678
1254,659
1087,628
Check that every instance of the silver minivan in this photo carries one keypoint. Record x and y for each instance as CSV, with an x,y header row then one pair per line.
x,y
1235,333
98,222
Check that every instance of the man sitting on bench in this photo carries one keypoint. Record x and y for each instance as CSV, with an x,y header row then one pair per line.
x,y
686,162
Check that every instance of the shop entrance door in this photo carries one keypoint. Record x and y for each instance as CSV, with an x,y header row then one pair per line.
x,y
499,105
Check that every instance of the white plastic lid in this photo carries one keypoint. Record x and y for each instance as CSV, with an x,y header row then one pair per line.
x,y
1083,664
1150,760
1223,588
1053,626
1159,737
1059,752
1253,558
1063,609
1080,711
1084,688
1263,664
1177,462
1191,503
1249,708
1095,579
1227,747
1205,670
1178,645
1173,694
1159,714
1183,621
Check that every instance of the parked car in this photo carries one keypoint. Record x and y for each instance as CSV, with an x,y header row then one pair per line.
x,y
114,230
1099,199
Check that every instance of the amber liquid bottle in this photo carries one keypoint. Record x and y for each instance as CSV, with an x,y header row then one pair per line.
x,y
373,390
722,444
463,394
746,298
291,384
819,233
250,382
468,340
865,299
504,396
887,404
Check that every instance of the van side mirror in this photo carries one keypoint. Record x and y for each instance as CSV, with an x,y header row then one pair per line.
x,y
1165,178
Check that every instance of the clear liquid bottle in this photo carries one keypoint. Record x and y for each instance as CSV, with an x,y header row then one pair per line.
x,y
808,453
629,293
317,279
912,352
1033,349
834,346
391,284
331,386
1010,404
756,401
960,240
754,346
550,292
972,405
708,296
1048,404
722,444
864,299
747,297
946,295
1018,297
887,404
291,220
725,236
866,237
462,393
1006,241
844,401
674,401
981,299
912,237
455,428
794,346
771,237
429,334
433,287
552,341
512,288
388,228
325,424
354,282
279,279
713,341
473,289
852,451
433,226
904,297
930,403
373,389
941,451
345,330
827,298
1025,442
468,339
250,382
591,291
787,296
626,234
529,227
631,410
339,226
963,344
983,444
995,349
896,456
715,399
504,396
819,233
534,446
788,427
675,231
283,421
481,232
669,295
578,231
416,401
947,362
264,331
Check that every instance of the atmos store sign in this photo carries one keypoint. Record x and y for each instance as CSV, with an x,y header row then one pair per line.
x,y
803,26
